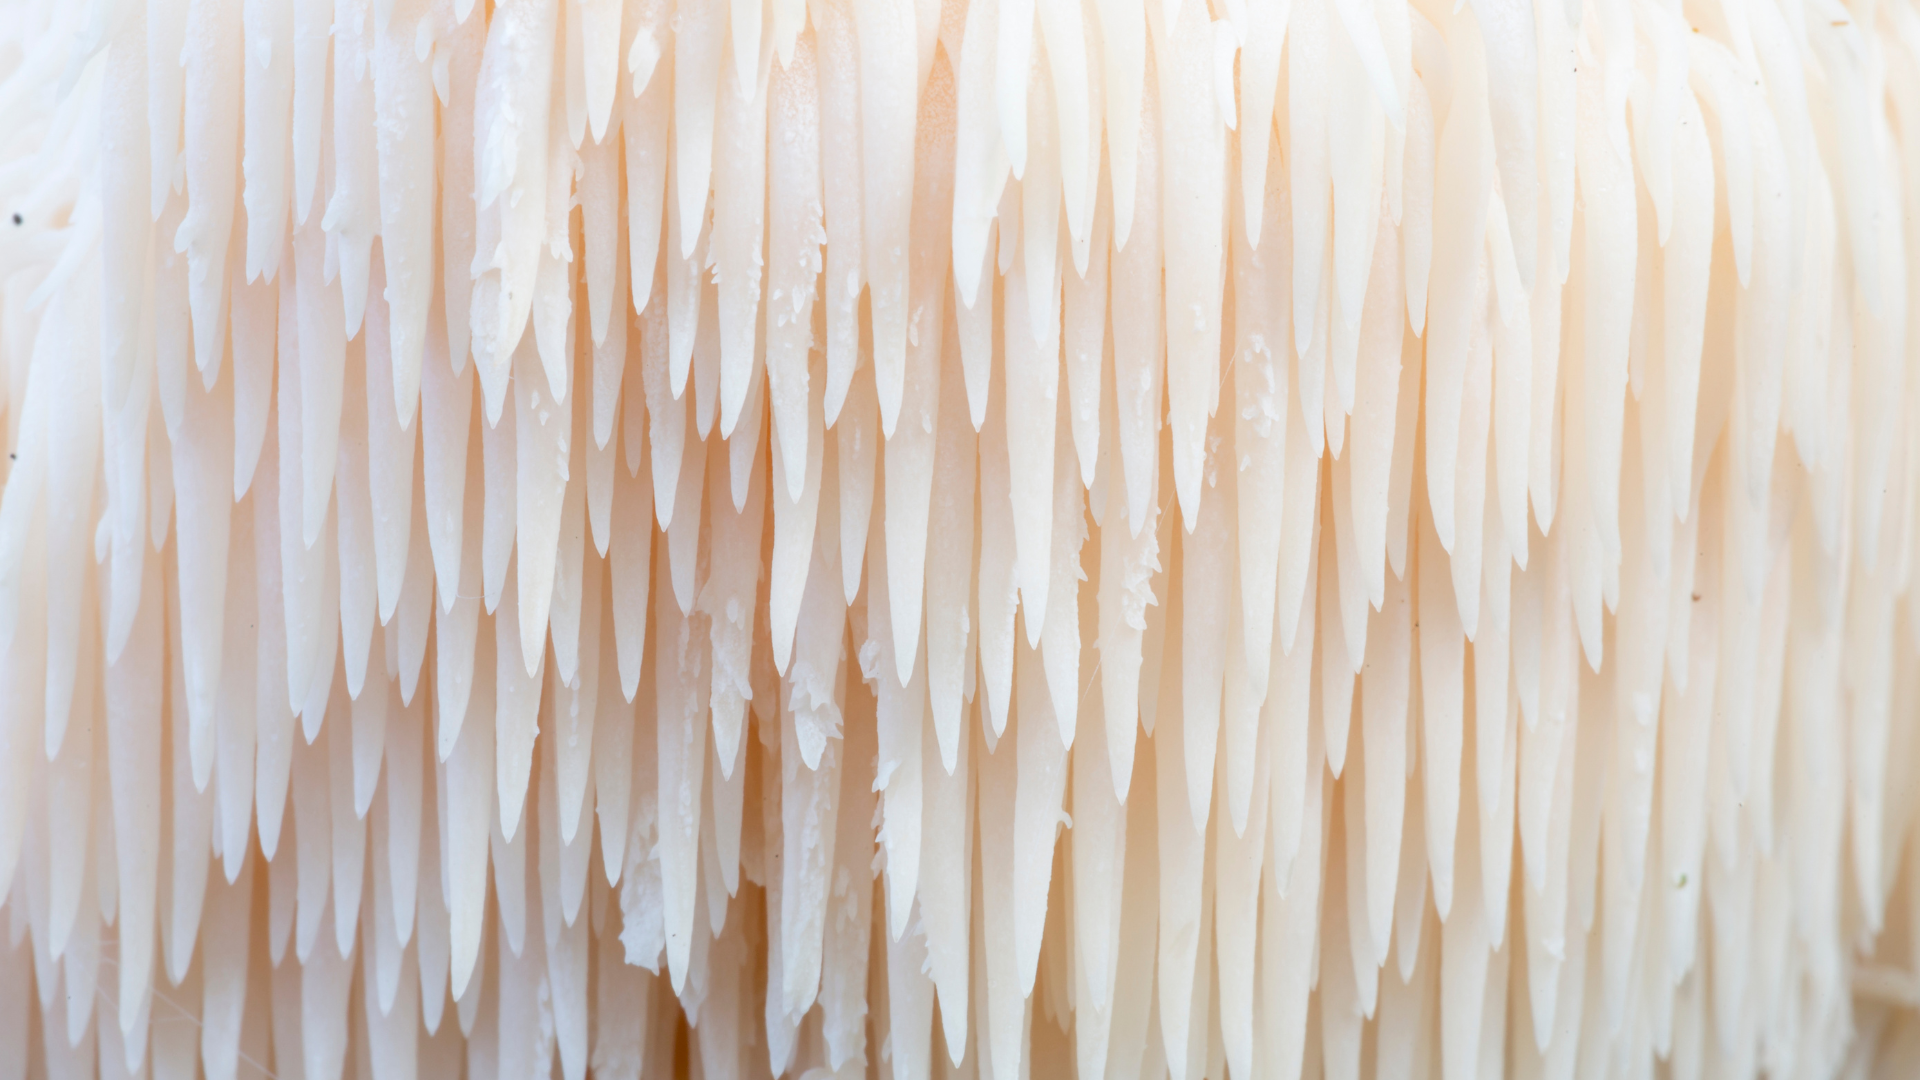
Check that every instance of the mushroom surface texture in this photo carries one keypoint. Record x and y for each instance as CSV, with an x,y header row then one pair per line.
x,y
989,539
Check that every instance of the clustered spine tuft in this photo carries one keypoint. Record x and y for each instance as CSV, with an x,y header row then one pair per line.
x,y
965,538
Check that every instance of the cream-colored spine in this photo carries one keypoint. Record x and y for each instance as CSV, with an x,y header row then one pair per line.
x,y
979,538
